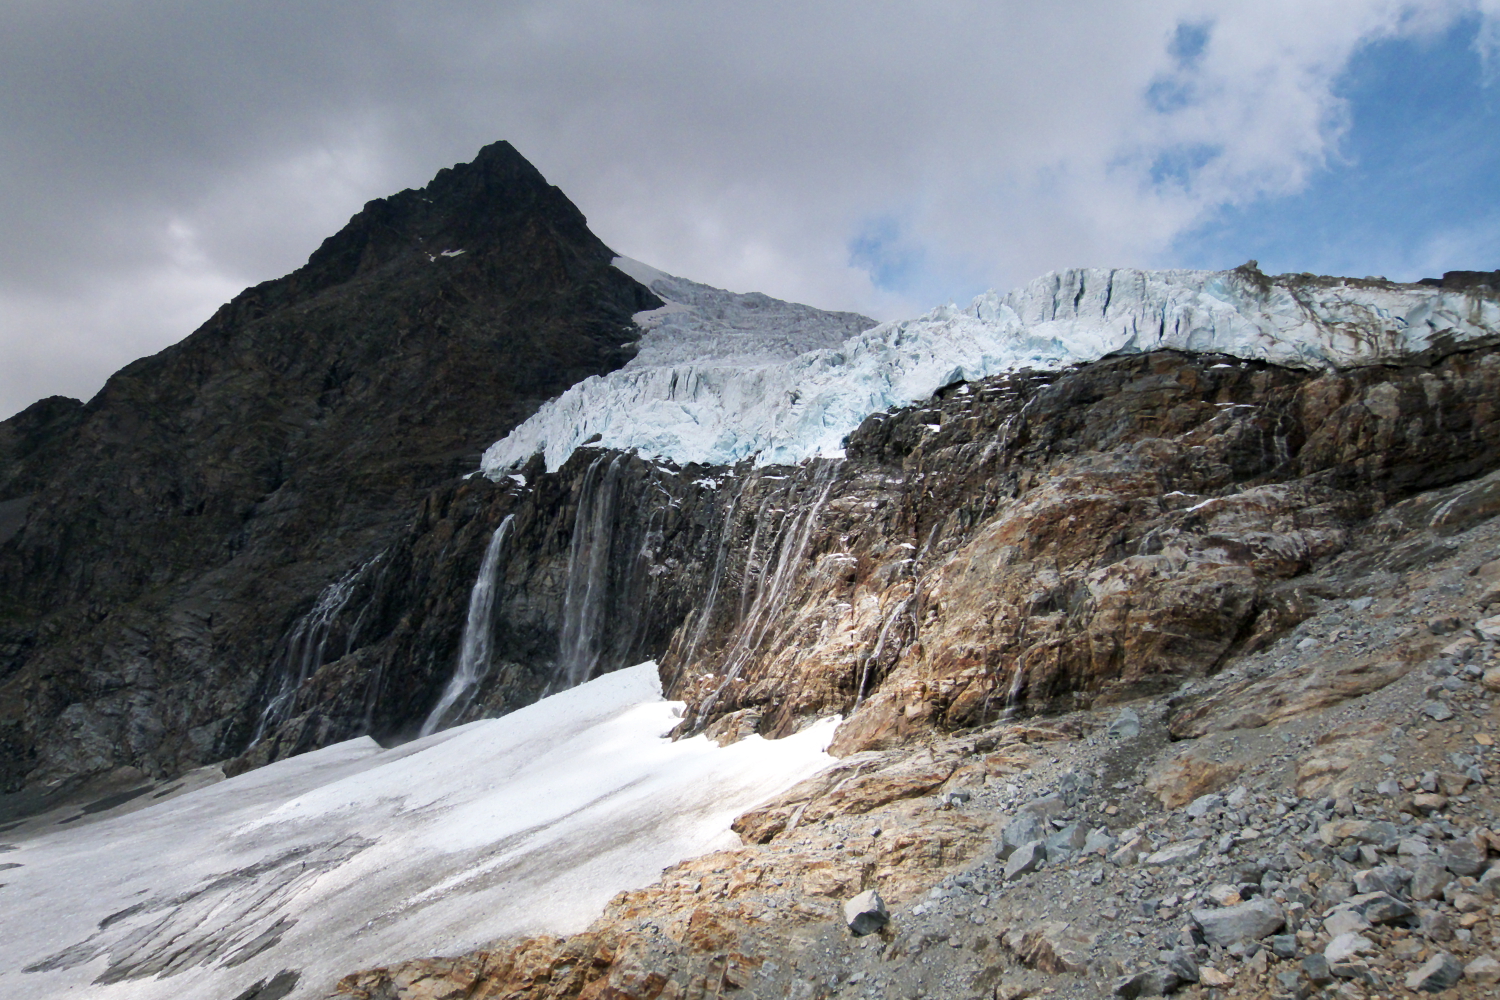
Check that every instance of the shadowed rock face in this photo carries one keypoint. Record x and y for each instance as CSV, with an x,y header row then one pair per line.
x,y
157,542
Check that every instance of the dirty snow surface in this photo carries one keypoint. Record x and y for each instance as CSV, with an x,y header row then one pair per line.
x,y
354,856
714,383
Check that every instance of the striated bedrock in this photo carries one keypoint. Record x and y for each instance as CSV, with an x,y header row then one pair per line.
x,y
1037,541
156,542
1030,543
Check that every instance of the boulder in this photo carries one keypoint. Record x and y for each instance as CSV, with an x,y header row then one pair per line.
x,y
1347,946
1484,970
1175,854
1026,859
1053,946
1379,907
1250,921
1383,878
1026,827
1429,879
866,913
1155,983
1463,857
1126,725
1438,973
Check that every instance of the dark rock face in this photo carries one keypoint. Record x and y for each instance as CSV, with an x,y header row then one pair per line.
x,y
157,543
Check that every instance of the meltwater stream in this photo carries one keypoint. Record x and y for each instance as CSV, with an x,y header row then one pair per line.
x,y
582,639
475,648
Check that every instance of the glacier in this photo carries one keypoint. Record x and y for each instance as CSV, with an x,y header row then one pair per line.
x,y
721,378
355,856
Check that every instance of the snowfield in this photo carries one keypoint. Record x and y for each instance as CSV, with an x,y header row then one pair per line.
x,y
353,856
697,395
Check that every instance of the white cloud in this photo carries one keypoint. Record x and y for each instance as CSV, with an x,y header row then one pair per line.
x,y
749,146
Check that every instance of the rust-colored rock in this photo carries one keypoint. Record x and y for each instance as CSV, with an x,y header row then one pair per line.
x,y
1178,782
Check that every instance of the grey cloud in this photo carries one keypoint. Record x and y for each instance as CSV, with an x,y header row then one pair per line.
x,y
156,154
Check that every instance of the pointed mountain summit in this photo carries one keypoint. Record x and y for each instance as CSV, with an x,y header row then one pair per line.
x,y
156,541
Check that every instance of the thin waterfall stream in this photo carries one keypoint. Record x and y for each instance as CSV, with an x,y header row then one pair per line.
x,y
476,645
305,649
582,640
773,592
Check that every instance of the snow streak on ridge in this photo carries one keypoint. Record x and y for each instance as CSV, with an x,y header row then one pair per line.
x,y
713,382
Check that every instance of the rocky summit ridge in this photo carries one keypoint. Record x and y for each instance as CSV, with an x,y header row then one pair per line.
x,y
159,540
1171,670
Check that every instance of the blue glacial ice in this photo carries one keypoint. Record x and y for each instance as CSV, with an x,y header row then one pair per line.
x,y
721,377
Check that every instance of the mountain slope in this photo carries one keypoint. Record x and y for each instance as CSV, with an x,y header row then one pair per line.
x,y
159,539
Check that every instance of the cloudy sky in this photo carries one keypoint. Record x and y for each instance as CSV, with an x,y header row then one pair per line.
x,y
883,156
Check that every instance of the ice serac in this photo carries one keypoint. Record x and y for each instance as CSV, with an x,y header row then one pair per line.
x,y
722,402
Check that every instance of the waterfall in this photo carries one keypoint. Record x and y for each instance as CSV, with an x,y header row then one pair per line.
x,y
874,658
474,649
581,642
304,649
705,615
790,545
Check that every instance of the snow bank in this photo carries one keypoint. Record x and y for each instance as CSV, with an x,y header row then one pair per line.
x,y
722,405
354,856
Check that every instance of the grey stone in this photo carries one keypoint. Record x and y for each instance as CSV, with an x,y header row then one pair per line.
x,y
1175,854
1244,922
1382,834
1023,829
1204,804
1438,973
1414,847
1099,841
1183,964
1347,946
1046,807
1354,970
1155,983
1315,967
1436,926
1333,892
1344,921
866,913
1126,725
1438,711
1383,878
1484,970
1389,788
1380,907
1027,858
1284,946
1429,879
1066,842
1463,857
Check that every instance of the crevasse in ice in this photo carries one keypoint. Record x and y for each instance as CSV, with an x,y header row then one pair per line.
x,y
720,378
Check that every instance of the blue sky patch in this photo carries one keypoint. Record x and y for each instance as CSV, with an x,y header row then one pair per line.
x,y
1413,189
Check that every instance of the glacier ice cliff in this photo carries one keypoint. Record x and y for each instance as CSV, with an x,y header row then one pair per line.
x,y
720,378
